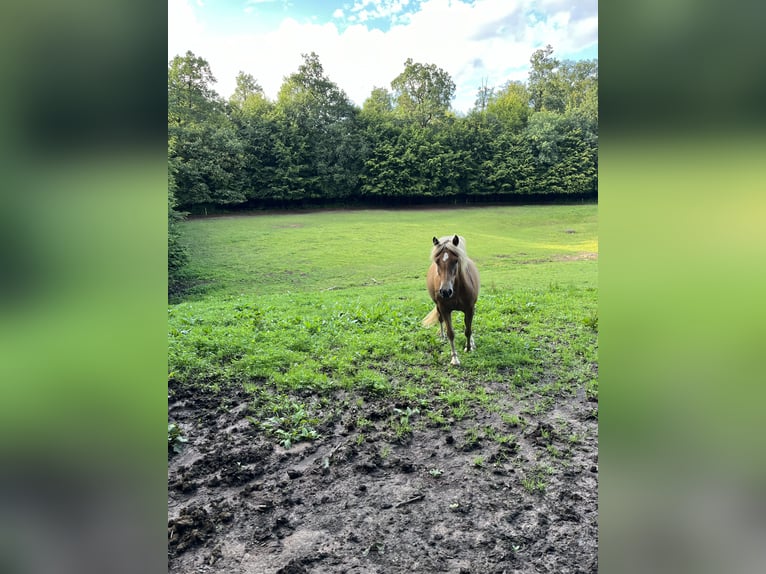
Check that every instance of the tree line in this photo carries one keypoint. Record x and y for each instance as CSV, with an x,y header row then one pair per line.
x,y
312,143
520,141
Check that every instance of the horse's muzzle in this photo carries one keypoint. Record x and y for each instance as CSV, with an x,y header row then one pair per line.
x,y
445,293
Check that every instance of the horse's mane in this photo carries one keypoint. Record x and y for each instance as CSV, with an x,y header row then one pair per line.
x,y
459,250
446,241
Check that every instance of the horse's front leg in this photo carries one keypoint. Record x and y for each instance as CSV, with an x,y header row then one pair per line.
x,y
451,336
469,344
441,327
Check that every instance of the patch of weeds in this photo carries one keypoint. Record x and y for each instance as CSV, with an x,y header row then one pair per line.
x,y
507,440
533,484
544,405
410,392
490,433
522,378
176,440
553,451
290,423
301,376
363,423
535,480
574,438
459,412
373,383
591,389
435,472
546,469
591,321
402,427
478,461
385,452
436,417
471,439
512,420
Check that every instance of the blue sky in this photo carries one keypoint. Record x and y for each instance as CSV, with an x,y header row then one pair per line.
x,y
363,44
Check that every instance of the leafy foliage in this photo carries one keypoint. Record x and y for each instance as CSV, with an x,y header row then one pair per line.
x,y
175,439
313,144
422,92
178,255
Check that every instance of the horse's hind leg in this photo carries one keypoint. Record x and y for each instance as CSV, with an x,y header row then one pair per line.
x,y
469,344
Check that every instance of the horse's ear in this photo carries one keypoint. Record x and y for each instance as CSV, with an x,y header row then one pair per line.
x,y
455,240
436,241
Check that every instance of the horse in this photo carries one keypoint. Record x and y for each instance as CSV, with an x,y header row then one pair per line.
x,y
453,284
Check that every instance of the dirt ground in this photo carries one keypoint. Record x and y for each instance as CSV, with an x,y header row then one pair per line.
x,y
440,501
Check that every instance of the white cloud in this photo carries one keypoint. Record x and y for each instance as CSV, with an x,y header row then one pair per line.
x,y
379,8
185,32
338,13
489,40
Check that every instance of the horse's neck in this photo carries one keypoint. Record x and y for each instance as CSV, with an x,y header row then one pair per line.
x,y
464,272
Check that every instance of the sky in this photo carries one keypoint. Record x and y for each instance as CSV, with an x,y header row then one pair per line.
x,y
363,44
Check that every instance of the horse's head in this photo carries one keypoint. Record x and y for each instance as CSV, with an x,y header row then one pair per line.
x,y
446,256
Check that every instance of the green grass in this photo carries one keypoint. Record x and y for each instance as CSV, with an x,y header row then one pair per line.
x,y
314,314
514,247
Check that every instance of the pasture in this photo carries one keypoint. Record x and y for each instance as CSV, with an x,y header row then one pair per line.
x,y
325,428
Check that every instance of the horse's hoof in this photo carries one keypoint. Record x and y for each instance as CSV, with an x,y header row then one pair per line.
x,y
455,361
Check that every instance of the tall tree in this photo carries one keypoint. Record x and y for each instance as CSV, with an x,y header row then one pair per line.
x,y
203,143
247,90
423,92
510,105
319,151
546,88
378,103
483,96
191,96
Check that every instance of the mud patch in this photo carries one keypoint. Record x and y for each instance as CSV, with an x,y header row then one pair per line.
x,y
477,496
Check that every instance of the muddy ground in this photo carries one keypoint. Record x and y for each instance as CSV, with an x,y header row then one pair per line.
x,y
441,500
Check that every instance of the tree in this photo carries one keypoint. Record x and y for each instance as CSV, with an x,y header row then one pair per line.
x,y
545,86
379,103
203,143
177,253
191,96
565,157
318,154
248,96
483,96
582,87
510,106
246,86
423,92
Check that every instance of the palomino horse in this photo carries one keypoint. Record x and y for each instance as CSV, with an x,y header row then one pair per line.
x,y
453,283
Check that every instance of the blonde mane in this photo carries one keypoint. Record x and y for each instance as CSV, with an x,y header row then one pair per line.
x,y
447,239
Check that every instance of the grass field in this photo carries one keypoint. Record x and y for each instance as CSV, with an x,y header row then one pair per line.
x,y
314,318
333,300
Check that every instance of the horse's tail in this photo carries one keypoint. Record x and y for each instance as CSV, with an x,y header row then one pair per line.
x,y
431,318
